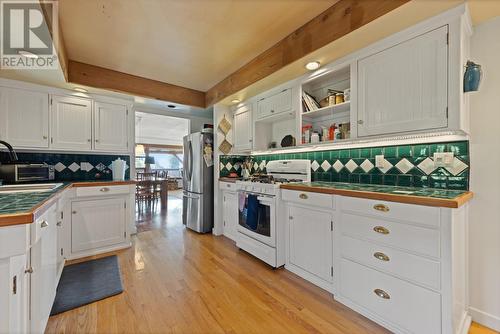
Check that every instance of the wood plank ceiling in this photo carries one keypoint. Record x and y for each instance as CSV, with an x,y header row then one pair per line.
x,y
341,18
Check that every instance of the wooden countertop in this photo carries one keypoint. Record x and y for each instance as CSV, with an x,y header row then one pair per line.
x,y
229,179
40,206
427,197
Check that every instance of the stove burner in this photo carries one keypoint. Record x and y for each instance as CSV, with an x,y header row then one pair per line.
x,y
269,179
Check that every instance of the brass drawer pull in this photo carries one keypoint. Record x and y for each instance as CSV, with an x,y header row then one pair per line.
x,y
44,224
381,230
104,190
303,196
381,207
382,294
381,256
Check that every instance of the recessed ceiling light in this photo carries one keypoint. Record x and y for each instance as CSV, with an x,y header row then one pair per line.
x,y
171,106
313,65
27,54
235,101
81,90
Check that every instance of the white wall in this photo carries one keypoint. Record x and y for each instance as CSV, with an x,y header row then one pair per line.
x,y
484,236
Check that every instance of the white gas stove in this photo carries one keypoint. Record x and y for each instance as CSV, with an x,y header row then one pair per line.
x,y
260,229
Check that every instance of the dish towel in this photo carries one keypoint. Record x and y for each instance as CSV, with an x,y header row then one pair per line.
x,y
252,212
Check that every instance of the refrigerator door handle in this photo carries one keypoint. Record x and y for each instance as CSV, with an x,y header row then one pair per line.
x,y
190,160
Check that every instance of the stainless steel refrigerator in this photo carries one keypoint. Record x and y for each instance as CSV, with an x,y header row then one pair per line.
x,y
198,182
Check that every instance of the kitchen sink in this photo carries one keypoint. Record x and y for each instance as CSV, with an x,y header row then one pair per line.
x,y
402,192
27,188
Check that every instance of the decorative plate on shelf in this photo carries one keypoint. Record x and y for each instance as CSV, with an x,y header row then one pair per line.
x,y
288,141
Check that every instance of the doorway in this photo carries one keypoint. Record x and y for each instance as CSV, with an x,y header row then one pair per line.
x,y
159,168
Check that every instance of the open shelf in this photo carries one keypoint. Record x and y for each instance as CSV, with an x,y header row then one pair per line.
x,y
328,110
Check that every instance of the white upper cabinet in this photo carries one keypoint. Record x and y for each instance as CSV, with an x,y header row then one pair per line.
x,y
242,128
71,123
405,87
275,104
110,127
24,117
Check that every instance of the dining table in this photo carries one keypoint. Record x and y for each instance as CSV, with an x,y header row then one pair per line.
x,y
163,184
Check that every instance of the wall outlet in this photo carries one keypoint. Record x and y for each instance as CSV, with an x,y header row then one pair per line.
x,y
443,159
379,161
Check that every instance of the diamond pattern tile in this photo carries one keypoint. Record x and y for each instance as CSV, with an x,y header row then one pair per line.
x,y
85,166
262,164
229,166
367,165
458,167
326,165
221,166
314,165
351,165
100,167
427,166
338,166
59,167
74,167
404,165
255,166
387,166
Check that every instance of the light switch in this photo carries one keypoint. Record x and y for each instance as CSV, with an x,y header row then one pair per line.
x,y
379,161
443,159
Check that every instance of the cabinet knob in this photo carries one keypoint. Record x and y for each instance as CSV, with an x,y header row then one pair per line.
x,y
29,270
290,217
44,224
272,110
97,140
59,223
382,294
303,196
381,230
360,121
381,256
45,137
381,207
73,212
89,140
104,190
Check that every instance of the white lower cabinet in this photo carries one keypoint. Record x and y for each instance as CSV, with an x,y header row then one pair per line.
x,y
97,223
310,244
401,265
230,214
43,264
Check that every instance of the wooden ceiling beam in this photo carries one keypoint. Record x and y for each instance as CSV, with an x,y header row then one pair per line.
x,y
99,77
340,19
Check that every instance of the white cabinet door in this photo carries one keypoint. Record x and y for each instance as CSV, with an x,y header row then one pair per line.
x,y
71,124
311,241
24,118
275,104
111,127
230,214
242,128
404,88
43,279
97,223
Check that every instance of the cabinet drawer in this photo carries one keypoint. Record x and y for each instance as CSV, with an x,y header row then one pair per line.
x,y
227,186
389,260
102,190
412,308
424,215
308,198
412,238
40,226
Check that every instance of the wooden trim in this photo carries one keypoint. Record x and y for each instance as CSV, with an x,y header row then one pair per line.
x,y
160,146
102,183
408,199
57,37
340,19
99,77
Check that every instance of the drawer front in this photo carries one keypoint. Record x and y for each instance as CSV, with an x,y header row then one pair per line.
x,y
413,308
308,198
102,190
227,186
389,260
424,215
408,237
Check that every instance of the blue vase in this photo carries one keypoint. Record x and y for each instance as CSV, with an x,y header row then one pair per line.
x,y
472,76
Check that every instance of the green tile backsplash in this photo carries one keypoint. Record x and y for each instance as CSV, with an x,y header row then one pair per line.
x,y
409,165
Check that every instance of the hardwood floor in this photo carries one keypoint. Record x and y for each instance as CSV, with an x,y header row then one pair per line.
x,y
177,281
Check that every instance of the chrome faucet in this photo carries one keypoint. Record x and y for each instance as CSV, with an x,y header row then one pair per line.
x,y
12,153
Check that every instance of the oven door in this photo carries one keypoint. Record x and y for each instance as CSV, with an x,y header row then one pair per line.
x,y
256,217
